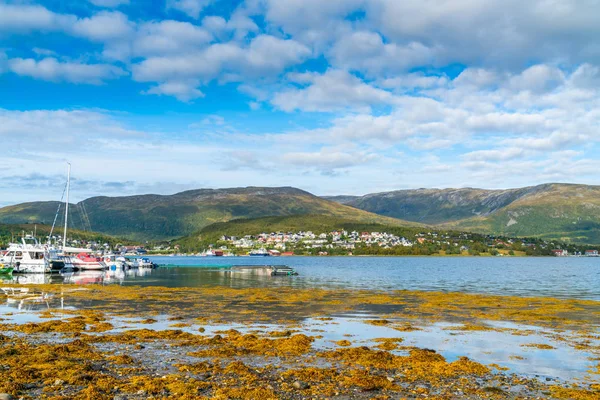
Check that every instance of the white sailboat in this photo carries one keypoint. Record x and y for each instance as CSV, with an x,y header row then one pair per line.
x,y
76,258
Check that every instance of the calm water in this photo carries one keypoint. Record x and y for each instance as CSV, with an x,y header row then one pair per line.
x,y
575,277
524,276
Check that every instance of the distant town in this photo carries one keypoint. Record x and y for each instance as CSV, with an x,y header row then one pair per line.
x,y
342,242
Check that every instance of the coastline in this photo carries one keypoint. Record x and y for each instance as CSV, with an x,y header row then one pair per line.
x,y
132,342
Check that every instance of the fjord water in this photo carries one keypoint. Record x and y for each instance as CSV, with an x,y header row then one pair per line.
x,y
569,277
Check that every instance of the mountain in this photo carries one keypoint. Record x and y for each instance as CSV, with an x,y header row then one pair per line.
x,y
554,211
154,217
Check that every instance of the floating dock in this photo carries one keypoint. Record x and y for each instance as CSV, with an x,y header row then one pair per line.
x,y
270,270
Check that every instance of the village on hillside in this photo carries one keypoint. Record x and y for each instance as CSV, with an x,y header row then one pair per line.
x,y
342,242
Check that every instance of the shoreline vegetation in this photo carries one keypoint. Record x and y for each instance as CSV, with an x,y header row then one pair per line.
x,y
130,342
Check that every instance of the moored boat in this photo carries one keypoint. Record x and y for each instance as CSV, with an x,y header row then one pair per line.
x,y
29,256
88,262
259,253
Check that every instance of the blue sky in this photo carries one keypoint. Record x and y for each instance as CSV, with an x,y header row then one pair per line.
x,y
336,97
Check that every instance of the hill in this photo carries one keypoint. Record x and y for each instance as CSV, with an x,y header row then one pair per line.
x,y
295,223
158,217
567,212
423,241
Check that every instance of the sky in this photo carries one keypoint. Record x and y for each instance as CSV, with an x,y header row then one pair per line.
x,y
333,97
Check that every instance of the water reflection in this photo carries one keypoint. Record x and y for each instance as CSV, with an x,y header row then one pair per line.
x,y
577,277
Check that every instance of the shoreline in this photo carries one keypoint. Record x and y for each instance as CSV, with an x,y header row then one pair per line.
x,y
218,342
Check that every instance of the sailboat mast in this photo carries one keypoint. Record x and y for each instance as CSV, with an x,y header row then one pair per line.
x,y
67,205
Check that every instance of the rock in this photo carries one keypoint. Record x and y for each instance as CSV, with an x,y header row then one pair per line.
x,y
6,396
141,392
389,378
300,385
58,382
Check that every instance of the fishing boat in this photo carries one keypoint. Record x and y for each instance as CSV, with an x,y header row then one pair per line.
x,y
259,253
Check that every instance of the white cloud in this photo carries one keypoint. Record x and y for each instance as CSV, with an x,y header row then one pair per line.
x,y
104,26
538,78
50,69
495,32
477,77
413,81
332,91
193,8
169,37
265,56
312,22
365,51
509,153
328,160
182,90
24,18
109,3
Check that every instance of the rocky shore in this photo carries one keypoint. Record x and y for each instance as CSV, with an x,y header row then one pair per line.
x,y
113,342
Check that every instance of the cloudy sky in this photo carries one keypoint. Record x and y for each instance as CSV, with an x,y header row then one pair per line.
x,y
334,97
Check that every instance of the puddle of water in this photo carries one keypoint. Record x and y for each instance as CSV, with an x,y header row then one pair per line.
x,y
486,347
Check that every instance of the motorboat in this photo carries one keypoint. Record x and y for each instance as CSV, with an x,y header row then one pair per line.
x,y
87,262
143,262
29,257
114,262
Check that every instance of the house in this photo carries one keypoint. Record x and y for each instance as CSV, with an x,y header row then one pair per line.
x,y
560,253
591,253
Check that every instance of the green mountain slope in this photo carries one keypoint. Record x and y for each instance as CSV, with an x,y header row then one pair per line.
x,y
434,206
165,217
13,232
555,211
569,213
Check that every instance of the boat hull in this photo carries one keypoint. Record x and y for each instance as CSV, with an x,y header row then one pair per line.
x,y
27,268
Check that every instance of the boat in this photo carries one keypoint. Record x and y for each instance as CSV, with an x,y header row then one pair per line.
x,y
74,258
87,262
259,253
143,262
114,262
29,257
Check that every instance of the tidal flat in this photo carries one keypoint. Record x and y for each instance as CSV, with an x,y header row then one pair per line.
x,y
131,342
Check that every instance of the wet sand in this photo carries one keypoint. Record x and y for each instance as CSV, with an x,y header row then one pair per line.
x,y
114,342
